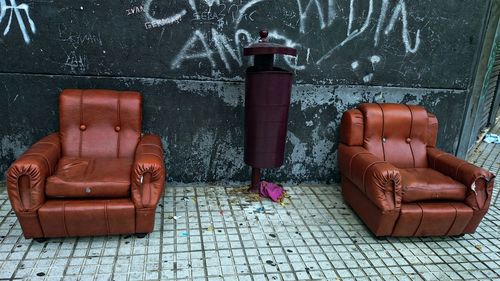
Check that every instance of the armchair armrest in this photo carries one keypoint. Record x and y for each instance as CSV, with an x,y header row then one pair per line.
x,y
479,182
379,180
26,176
148,172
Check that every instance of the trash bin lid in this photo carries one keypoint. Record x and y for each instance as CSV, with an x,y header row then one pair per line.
x,y
264,47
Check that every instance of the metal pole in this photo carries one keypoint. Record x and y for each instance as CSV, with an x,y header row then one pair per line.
x,y
255,185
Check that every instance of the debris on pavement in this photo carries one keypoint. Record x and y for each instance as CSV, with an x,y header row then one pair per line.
x,y
272,191
243,192
491,138
260,210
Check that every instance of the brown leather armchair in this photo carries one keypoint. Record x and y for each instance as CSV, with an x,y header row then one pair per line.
x,y
399,183
97,176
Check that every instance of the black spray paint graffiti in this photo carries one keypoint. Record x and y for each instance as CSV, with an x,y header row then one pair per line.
x,y
14,9
216,44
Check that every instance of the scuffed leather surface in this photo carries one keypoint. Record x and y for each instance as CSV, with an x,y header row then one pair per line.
x,y
421,184
63,218
351,127
471,176
396,133
90,178
432,130
378,180
99,139
442,195
432,219
148,173
378,221
99,123
26,176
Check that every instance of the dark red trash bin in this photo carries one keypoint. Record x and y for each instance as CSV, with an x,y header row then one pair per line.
x,y
267,99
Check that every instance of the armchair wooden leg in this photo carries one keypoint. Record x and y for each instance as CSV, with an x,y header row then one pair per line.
x,y
40,240
141,235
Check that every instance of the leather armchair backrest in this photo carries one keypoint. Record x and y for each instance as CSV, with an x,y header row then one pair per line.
x,y
99,123
432,130
352,127
396,133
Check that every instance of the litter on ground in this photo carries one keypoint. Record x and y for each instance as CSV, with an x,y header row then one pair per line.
x,y
491,138
272,191
260,210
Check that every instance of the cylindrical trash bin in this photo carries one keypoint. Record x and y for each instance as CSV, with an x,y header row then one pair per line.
x,y
267,99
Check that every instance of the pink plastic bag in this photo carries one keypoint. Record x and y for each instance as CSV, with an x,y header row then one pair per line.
x,y
272,191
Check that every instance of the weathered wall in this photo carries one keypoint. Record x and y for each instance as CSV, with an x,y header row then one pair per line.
x,y
476,103
185,57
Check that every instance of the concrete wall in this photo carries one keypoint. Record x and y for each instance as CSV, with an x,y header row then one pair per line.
x,y
476,103
185,57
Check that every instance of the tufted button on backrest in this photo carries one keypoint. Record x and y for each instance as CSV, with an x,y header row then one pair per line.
x,y
397,133
88,123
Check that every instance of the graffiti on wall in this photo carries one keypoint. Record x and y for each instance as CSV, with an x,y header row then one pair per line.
x,y
10,9
223,40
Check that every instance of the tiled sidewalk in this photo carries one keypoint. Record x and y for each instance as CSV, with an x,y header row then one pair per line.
x,y
222,233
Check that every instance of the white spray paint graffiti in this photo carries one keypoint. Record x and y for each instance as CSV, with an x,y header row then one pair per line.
x,y
155,22
399,12
303,14
222,44
351,34
16,9
323,23
374,59
367,76
355,65
381,20
135,10
291,61
244,9
213,44
223,47
184,54
76,63
152,22
77,39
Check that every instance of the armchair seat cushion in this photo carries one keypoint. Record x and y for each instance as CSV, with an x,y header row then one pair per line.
x,y
423,184
78,177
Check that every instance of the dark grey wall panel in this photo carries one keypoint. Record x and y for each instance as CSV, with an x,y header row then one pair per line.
x,y
185,57
201,122
5,148
381,42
